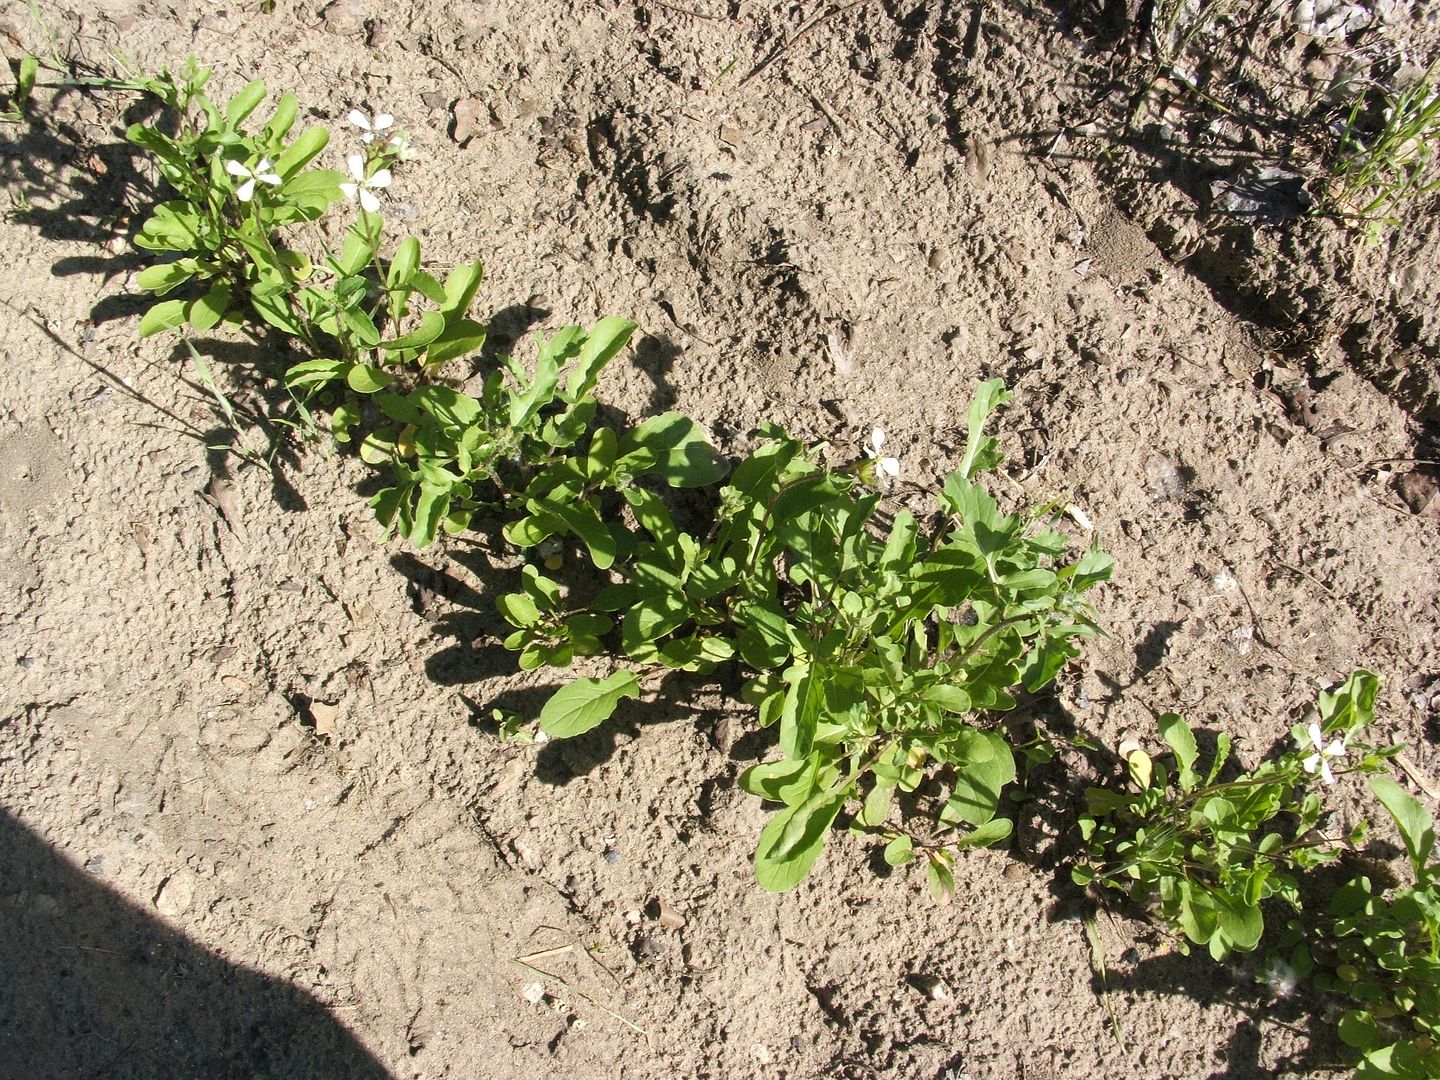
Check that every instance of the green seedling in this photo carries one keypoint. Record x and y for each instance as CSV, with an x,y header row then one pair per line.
x,y
1378,173
1384,953
1205,850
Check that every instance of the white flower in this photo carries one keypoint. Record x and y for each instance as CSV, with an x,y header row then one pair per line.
x,y
400,147
888,465
370,126
1320,760
363,187
264,172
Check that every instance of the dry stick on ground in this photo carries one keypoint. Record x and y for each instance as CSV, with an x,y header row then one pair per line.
x,y
824,16
686,11
558,981
1299,572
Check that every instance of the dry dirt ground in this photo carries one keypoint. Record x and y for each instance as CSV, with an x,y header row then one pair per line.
x,y
255,823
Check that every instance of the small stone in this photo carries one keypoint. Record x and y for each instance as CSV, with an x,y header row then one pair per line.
x,y
175,895
529,857
533,992
344,17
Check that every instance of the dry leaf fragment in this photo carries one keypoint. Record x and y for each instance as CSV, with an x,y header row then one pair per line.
x,y
468,114
326,715
222,495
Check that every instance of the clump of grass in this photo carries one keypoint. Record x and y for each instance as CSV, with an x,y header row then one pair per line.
x,y
1379,173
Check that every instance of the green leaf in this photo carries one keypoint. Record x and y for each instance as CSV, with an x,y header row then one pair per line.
x,y
1094,567
601,459
378,446
978,785
1181,740
575,709
581,519
315,189
940,877
301,152
950,698
432,325
25,80
1416,828
1240,922
652,515
283,119
430,509
980,454
673,446
800,715
900,851
518,609
313,374
792,841
459,338
172,226
452,408
355,254
204,312
368,379
783,781
244,103
605,339
161,146
460,287
162,277
1358,1029
404,264
165,315
992,832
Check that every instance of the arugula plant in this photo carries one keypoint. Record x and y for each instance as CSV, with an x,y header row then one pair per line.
x,y
1384,953
878,650
1204,852
361,317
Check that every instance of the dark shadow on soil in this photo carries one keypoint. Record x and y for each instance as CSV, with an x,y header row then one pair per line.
x,y
1238,985
96,987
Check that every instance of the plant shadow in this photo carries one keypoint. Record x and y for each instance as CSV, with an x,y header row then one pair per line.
x,y
95,986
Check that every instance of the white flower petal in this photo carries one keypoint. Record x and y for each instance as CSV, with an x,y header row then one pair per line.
x,y
877,438
271,178
368,201
1316,736
380,180
234,168
359,119
266,165
1335,749
890,466
349,189
1325,773
1311,763
356,162
245,190
383,120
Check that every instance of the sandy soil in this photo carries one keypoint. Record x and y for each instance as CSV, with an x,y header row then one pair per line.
x,y
852,230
